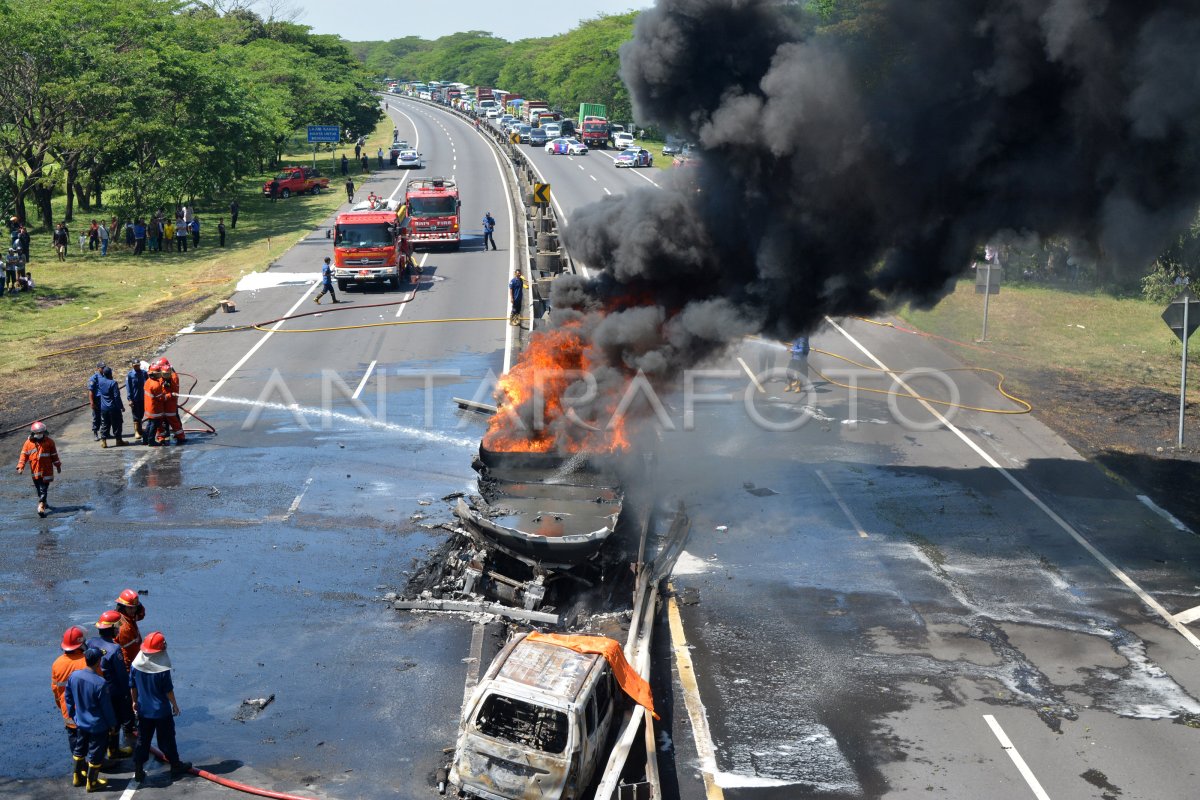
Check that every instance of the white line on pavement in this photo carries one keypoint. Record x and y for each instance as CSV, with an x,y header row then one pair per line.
x,y
1162,512
129,790
1116,572
295,506
200,403
1189,616
512,252
363,382
606,191
841,504
593,177
1022,767
413,293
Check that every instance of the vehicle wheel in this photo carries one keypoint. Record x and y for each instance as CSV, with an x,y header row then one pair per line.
x,y
316,190
285,194
342,284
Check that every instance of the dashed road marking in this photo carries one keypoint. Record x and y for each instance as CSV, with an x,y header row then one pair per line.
x,y
593,177
1022,767
362,383
606,191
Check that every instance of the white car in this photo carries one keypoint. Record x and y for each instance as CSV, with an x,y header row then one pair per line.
x,y
622,140
493,113
410,159
563,146
553,130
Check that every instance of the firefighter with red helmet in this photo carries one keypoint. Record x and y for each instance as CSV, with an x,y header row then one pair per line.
x,y
117,677
162,404
60,671
41,455
128,637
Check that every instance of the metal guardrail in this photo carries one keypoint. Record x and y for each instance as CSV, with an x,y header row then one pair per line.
x,y
545,253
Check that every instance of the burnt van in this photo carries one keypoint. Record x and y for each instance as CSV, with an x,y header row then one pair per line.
x,y
537,726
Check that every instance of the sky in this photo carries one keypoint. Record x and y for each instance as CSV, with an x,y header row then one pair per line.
x,y
372,20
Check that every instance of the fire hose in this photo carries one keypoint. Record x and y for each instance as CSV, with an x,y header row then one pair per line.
x,y
241,787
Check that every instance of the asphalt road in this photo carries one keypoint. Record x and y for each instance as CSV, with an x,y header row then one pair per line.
x,y
265,550
898,598
941,607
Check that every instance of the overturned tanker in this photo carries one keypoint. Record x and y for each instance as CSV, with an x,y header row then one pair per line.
x,y
543,531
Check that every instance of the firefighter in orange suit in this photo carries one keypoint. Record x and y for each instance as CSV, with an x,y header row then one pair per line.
x,y
70,661
162,404
41,455
128,637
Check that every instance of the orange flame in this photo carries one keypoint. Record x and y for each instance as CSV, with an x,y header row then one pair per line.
x,y
547,368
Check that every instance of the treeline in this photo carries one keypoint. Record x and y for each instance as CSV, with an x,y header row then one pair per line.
x,y
580,66
154,102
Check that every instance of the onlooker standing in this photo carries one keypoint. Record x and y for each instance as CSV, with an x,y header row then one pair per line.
x,y
94,236
152,689
60,239
129,240
135,392
274,189
221,231
379,156
41,455
23,243
90,706
195,231
234,208
169,234
83,241
366,165
357,150
11,260
346,164
139,237
61,670
349,190
102,233
181,236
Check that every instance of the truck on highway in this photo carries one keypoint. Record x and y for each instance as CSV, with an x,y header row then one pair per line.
x,y
484,100
533,108
371,244
593,131
433,212
297,180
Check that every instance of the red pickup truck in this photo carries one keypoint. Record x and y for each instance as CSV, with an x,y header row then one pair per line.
x,y
297,180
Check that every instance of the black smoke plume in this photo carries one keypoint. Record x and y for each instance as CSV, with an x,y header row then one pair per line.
x,y
850,168
856,164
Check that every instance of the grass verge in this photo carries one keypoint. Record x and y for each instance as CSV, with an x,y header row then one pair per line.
x,y
88,308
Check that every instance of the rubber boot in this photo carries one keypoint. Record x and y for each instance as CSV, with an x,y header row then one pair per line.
x,y
317,300
139,773
115,751
104,444
130,736
94,782
120,442
181,768
80,776
42,509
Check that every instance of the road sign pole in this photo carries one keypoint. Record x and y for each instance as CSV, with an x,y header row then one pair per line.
x,y
1183,376
987,296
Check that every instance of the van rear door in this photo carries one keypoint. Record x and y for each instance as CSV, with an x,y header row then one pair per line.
x,y
515,748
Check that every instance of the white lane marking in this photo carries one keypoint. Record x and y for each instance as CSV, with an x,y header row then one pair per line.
x,y
295,506
413,293
1162,512
362,384
579,165
216,387
416,145
593,177
1189,616
1116,572
842,505
512,253
1022,767
128,793
606,191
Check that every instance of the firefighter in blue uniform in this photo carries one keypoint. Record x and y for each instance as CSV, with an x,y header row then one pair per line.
x,y
91,709
117,678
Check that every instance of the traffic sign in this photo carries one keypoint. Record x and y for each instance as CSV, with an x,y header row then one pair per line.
x,y
541,194
514,137
988,278
1185,306
324,133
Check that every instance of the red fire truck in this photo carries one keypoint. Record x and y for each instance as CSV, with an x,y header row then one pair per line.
x,y
372,244
433,212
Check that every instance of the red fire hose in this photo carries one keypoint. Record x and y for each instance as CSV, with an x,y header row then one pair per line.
x,y
241,787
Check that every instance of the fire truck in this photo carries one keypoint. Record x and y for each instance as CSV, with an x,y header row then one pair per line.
x,y
433,212
372,244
